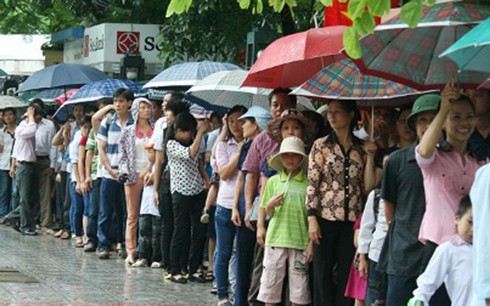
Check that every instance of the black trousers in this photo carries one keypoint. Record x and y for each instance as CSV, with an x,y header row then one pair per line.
x,y
336,250
150,230
167,222
26,185
189,233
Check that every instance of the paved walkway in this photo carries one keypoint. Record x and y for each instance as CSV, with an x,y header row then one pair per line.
x,y
67,275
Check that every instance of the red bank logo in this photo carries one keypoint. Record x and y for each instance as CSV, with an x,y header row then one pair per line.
x,y
128,42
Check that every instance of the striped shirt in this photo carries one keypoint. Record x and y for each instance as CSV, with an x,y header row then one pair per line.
x,y
110,131
288,227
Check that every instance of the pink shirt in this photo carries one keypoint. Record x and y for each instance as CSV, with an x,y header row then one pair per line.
x,y
446,181
25,142
224,153
260,150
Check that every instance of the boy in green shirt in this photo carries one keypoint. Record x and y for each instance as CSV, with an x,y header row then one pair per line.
x,y
286,243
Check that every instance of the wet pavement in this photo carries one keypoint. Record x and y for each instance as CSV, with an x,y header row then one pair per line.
x,y
67,275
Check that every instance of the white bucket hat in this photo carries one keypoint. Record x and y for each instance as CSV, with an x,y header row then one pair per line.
x,y
291,144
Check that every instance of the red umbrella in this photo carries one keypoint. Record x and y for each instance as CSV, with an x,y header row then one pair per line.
x,y
67,95
291,60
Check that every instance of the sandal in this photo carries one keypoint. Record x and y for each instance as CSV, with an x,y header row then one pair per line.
x,y
179,279
197,277
78,242
209,276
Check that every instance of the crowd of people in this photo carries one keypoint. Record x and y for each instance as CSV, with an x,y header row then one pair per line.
x,y
334,207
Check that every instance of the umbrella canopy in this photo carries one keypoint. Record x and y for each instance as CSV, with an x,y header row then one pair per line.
x,y
62,75
387,54
65,96
187,74
224,89
472,51
291,60
94,91
2,73
11,102
343,80
49,95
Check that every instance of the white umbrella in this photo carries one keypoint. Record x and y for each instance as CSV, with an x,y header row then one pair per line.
x,y
11,102
224,89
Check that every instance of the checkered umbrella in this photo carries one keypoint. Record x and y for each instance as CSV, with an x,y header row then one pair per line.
x,y
188,74
94,91
342,80
411,56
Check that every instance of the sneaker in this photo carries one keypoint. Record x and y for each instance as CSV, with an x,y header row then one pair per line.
x,y
140,263
89,247
156,265
103,254
205,217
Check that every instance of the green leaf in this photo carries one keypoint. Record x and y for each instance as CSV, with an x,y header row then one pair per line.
x,y
411,13
351,43
178,7
342,1
291,3
379,7
260,6
358,26
356,7
277,5
327,2
367,21
431,2
244,4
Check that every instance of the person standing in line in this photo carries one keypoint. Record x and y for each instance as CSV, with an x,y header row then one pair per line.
x,y
25,164
7,184
479,142
134,166
403,193
46,160
112,199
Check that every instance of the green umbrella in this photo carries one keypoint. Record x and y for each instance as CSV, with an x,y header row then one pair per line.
x,y
472,50
2,73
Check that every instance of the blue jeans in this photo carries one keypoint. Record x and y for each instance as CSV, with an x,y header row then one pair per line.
x,y
76,210
111,213
6,193
225,235
92,211
400,289
245,244
376,289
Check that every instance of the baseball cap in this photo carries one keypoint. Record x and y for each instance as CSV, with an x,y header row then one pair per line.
x,y
425,103
260,114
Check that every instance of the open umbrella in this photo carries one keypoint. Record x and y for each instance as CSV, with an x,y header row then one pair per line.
x,y
342,80
62,75
96,90
49,95
65,96
472,51
411,56
186,75
11,102
291,60
2,73
224,89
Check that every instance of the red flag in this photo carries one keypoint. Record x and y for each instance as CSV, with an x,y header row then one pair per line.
x,y
334,15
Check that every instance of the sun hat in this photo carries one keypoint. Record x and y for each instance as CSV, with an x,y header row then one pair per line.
x,y
260,114
291,144
425,103
309,127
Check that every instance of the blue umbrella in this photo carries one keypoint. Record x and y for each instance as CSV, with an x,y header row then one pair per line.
x,y
472,51
94,91
186,75
62,75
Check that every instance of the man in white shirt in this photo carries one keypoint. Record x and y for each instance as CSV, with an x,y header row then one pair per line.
x,y
45,162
